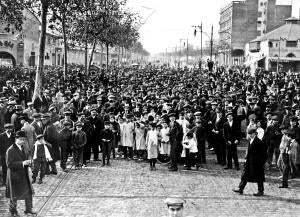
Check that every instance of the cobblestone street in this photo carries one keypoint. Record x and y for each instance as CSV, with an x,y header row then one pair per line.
x,y
128,188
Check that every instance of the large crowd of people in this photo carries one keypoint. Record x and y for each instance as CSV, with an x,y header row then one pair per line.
x,y
150,113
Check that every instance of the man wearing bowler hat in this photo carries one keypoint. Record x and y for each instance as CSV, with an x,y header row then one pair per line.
x,y
254,166
18,186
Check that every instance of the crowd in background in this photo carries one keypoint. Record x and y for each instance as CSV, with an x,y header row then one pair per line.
x,y
151,113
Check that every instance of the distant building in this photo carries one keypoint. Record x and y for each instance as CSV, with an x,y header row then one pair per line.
x,y
276,50
242,21
22,47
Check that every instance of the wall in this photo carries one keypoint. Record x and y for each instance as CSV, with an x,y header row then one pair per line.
x,y
276,15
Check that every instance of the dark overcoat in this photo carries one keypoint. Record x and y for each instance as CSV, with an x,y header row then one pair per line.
x,y
18,184
255,161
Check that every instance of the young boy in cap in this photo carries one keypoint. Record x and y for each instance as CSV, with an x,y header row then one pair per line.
x,y
41,155
175,206
106,139
78,140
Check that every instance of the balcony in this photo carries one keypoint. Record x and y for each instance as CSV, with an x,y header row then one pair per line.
x,y
254,46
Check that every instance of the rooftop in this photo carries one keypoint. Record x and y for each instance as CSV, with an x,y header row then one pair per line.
x,y
290,32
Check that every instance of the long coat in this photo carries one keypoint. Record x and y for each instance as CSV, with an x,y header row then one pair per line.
x,y
51,137
18,184
255,161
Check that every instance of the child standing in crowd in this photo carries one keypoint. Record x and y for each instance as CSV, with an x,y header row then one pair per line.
x,y
140,140
260,131
106,141
78,141
165,143
41,155
191,150
152,142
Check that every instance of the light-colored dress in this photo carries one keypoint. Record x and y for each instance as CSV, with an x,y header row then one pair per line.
x,y
140,140
128,134
152,142
165,141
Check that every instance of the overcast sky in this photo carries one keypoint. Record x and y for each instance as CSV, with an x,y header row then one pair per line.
x,y
172,20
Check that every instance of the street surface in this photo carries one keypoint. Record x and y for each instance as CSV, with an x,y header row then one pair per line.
x,y
128,188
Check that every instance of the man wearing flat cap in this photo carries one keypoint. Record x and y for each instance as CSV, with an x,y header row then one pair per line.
x,y
175,206
18,186
232,136
254,167
175,138
7,138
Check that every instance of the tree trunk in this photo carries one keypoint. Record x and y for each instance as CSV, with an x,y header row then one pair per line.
x,y
65,45
122,55
101,60
39,73
107,57
119,56
91,58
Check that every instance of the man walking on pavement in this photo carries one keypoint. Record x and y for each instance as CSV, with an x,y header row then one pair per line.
x,y
18,183
254,166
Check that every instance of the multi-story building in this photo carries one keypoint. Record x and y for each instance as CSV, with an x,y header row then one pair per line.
x,y
278,50
242,21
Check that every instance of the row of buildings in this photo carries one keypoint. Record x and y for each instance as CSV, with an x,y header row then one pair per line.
x,y
21,48
259,33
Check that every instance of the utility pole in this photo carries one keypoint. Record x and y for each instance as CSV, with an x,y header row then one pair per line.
x,y
187,51
211,42
201,30
279,44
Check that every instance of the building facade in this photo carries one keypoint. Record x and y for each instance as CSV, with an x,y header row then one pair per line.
x,y
242,21
278,50
21,48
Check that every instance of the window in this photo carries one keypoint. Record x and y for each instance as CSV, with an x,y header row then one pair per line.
x,y
291,43
270,44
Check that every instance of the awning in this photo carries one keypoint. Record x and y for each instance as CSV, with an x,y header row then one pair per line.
x,y
284,59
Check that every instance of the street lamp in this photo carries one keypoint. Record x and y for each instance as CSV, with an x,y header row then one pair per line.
x,y
210,38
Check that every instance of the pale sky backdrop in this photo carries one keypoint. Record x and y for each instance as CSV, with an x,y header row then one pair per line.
x,y
172,20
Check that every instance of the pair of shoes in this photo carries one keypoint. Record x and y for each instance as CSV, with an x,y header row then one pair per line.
x,y
97,160
173,169
280,177
30,212
227,168
283,186
238,191
85,165
33,180
16,214
237,168
154,168
53,172
40,181
108,164
151,168
259,194
103,165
